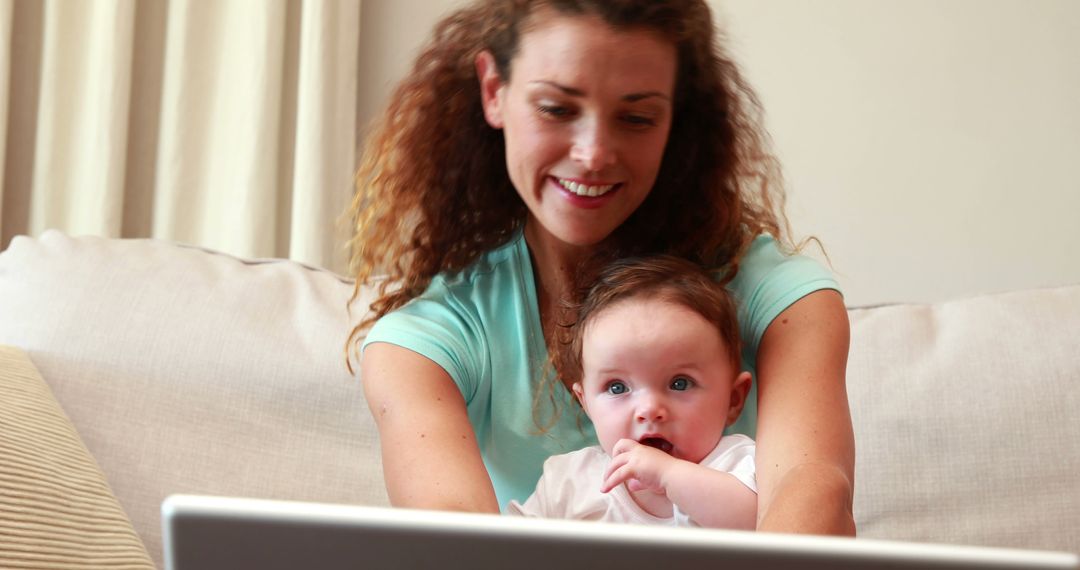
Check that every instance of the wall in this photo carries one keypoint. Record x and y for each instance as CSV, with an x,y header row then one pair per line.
x,y
931,145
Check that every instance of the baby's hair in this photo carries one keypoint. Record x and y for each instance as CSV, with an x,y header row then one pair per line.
x,y
668,278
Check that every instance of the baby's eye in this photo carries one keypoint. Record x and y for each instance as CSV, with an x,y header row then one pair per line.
x,y
681,383
616,387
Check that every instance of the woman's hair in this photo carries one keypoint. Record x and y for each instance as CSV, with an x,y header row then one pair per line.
x,y
433,193
663,277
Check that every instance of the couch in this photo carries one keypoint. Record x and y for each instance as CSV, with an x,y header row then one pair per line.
x,y
134,369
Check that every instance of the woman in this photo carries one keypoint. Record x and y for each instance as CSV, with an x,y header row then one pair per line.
x,y
532,141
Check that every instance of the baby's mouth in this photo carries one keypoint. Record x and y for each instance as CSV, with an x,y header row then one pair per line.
x,y
657,442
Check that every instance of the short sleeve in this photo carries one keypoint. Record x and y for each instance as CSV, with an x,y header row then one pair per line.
x,y
737,458
441,330
768,282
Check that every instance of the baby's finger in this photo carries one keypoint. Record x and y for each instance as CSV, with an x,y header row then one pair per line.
x,y
616,478
615,463
622,446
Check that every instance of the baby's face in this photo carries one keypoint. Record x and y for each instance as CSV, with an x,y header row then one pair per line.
x,y
658,373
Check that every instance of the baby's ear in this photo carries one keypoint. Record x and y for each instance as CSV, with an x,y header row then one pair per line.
x,y
740,388
579,392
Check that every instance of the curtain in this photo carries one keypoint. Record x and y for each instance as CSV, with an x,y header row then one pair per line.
x,y
229,124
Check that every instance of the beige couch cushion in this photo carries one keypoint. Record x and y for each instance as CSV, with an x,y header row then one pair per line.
x,y
966,416
186,371
56,510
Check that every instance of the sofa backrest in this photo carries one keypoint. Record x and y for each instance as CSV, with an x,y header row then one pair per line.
x,y
189,371
966,419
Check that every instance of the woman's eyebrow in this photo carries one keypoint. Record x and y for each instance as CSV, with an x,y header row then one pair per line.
x,y
633,97
575,92
572,91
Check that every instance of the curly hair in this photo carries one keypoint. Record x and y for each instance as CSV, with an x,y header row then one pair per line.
x,y
433,193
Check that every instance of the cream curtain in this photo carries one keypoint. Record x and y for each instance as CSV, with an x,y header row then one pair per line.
x,y
229,124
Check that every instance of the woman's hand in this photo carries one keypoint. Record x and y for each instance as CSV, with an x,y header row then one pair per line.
x,y
805,445
430,456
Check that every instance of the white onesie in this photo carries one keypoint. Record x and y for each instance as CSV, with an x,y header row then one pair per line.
x,y
570,486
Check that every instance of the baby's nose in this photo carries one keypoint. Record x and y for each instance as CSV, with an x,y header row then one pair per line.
x,y
652,411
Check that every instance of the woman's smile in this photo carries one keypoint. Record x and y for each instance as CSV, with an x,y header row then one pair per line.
x,y
585,195
585,188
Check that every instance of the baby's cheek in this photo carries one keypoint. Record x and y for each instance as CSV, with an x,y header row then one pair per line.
x,y
608,435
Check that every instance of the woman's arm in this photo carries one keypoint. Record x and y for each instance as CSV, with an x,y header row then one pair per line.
x,y
430,456
805,445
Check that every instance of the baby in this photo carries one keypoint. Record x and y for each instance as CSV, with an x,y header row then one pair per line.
x,y
653,358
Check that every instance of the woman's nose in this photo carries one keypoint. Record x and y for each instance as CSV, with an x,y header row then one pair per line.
x,y
593,147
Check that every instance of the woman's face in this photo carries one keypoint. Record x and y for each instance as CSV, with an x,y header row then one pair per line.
x,y
585,116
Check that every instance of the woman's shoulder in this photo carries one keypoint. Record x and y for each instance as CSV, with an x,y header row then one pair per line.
x,y
454,321
487,267
766,264
466,299
770,279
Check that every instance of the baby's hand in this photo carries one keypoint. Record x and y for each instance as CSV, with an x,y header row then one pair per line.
x,y
637,465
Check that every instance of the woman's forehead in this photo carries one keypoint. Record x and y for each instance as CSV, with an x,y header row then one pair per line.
x,y
579,51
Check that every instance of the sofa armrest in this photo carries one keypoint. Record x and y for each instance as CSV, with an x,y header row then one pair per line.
x,y
56,510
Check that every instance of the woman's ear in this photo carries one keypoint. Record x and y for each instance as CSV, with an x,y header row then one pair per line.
x,y
740,388
491,88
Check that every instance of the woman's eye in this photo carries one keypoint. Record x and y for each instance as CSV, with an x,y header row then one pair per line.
x,y
616,387
681,383
639,120
554,111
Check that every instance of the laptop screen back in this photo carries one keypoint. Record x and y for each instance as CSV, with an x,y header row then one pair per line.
x,y
213,533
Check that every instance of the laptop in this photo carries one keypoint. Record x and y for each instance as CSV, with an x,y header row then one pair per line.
x,y
218,533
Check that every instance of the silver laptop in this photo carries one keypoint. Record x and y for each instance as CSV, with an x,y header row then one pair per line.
x,y
215,533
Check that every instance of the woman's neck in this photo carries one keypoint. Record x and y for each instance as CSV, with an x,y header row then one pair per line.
x,y
555,265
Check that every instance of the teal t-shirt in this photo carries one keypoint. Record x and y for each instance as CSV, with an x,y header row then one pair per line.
x,y
482,326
